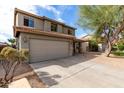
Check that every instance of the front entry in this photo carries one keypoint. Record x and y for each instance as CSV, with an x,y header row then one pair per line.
x,y
77,48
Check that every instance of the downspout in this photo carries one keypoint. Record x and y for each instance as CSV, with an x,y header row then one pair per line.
x,y
73,47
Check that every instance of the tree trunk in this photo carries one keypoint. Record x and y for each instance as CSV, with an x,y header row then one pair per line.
x,y
13,71
109,48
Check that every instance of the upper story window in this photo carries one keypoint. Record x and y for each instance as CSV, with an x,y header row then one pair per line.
x,y
53,27
28,22
70,32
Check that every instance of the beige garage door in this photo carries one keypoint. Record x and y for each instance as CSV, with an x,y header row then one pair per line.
x,y
41,50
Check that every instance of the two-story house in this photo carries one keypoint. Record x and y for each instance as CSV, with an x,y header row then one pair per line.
x,y
44,37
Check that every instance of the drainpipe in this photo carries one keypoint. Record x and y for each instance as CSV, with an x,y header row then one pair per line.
x,y
73,48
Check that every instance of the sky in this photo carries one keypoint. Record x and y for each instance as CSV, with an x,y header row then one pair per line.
x,y
67,14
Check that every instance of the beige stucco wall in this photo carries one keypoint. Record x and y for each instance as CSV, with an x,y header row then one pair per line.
x,y
65,30
84,46
38,23
23,41
59,28
19,19
42,25
47,25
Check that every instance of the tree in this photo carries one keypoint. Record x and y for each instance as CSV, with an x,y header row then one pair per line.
x,y
10,59
106,22
122,35
12,42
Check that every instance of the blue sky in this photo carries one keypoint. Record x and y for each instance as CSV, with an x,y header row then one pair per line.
x,y
67,14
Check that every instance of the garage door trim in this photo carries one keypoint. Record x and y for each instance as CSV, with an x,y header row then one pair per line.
x,y
49,40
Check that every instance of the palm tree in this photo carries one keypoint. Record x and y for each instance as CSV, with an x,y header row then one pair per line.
x,y
106,22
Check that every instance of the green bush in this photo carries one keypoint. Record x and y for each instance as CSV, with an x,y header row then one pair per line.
x,y
9,54
93,45
14,55
121,47
10,59
23,54
118,53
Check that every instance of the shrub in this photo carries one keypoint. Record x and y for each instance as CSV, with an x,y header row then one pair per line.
x,y
121,47
93,45
23,54
9,54
10,58
118,53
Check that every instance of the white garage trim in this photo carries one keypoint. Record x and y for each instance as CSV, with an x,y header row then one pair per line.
x,y
41,50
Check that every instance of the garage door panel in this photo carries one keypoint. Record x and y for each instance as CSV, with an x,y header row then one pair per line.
x,y
41,50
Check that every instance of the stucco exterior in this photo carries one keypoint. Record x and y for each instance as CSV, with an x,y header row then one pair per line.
x,y
38,23
84,46
47,25
32,38
60,28
44,25
24,39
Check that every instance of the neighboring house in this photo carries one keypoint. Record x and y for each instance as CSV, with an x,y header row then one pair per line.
x,y
2,45
85,44
88,47
44,37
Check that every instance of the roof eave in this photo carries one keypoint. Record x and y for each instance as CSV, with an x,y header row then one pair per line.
x,y
40,17
40,32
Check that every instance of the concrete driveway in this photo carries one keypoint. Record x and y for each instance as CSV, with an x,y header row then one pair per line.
x,y
89,70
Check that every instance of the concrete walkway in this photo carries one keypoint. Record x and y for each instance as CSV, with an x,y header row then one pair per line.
x,y
21,83
89,70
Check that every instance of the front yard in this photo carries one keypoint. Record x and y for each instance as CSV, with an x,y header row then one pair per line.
x,y
24,77
88,70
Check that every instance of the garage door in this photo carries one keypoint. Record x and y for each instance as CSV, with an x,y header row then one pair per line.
x,y
41,50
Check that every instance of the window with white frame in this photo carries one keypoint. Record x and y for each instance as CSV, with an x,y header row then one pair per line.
x,y
28,22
